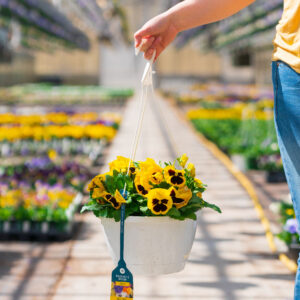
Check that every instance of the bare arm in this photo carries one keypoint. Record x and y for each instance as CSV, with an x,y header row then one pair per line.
x,y
162,29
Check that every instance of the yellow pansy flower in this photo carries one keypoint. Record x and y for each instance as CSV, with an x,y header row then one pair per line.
x,y
174,177
97,193
121,165
180,197
96,182
156,177
151,173
112,200
159,201
119,197
148,163
138,185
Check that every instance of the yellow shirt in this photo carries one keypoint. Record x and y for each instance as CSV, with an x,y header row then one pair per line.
x,y
287,39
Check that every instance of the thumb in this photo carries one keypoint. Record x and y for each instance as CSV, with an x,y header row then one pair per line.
x,y
142,33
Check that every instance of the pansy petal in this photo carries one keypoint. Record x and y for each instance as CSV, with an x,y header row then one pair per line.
x,y
159,201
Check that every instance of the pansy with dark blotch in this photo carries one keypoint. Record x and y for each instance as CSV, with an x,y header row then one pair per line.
x,y
139,187
116,200
159,201
96,182
174,177
180,197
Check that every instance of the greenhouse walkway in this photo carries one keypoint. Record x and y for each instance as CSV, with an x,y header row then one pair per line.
x,y
230,258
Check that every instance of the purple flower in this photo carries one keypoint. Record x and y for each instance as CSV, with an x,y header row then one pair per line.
x,y
291,226
118,289
38,163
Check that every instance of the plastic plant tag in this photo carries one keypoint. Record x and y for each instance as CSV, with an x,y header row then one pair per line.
x,y
122,283
121,278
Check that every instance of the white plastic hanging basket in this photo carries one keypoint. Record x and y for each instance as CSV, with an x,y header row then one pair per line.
x,y
153,245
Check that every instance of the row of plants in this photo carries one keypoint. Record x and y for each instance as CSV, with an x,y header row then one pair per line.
x,y
98,131
251,139
92,148
32,172
239,120
215,94
60,118
40,196
66,133
46,19
49,94
254,138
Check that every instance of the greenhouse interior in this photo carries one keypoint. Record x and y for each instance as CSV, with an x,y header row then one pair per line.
x,y
158,178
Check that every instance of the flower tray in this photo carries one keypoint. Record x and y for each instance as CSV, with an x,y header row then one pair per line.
x,y
41,230
275,176
34,230
294,250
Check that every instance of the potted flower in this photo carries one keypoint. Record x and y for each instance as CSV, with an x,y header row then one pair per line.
x,y
272,164
161,205
290,230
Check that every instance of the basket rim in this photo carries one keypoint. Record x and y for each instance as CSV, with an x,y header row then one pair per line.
x,y
148,219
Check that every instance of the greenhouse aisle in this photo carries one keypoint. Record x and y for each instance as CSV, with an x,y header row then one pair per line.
x,y
230,258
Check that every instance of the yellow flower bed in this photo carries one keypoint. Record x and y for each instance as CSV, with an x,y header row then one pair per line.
x,y
48,132
241,112
40,198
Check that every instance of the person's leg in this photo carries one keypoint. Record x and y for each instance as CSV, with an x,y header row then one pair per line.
x,y
286,84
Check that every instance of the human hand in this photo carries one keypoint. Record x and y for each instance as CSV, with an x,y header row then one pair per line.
x,y
156,34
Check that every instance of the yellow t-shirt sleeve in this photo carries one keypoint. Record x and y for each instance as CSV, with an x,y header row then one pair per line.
x,y
287,39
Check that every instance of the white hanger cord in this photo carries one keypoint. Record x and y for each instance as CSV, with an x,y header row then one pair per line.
x,y
146,85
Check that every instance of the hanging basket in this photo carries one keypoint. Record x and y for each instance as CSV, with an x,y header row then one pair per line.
x,y
153,245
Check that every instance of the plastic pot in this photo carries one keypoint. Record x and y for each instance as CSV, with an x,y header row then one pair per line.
x,y
239,161
153,245
294,250
275,176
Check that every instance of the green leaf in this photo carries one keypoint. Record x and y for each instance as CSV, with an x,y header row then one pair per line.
x,y
174,213
212,206
285,236
103,212
162,185
117,215
191,216
110,184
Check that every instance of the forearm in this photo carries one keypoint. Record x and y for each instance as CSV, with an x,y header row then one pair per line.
x,y
192,13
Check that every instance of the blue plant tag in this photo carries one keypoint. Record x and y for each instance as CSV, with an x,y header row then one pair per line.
x,y
121,278
121,283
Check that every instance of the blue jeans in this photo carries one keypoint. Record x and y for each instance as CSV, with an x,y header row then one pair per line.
x,y
286,83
